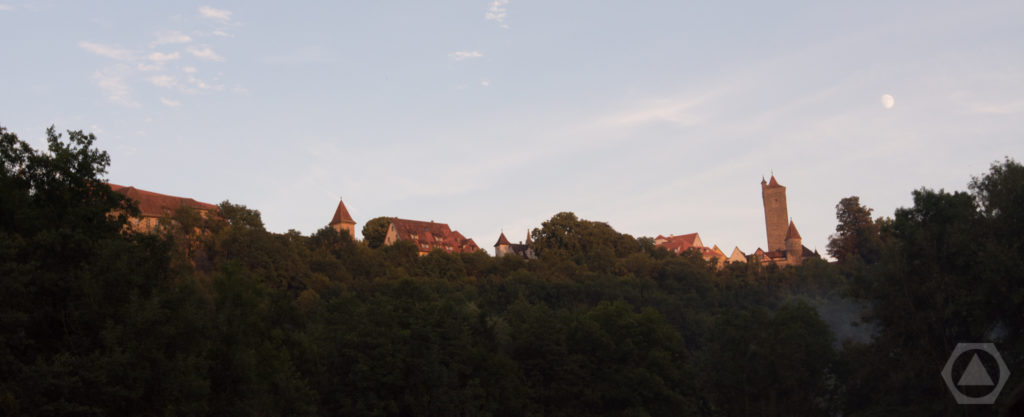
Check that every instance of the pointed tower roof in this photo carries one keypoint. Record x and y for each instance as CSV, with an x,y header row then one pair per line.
x,y
528,240
502,240
773,183
341,215
792,233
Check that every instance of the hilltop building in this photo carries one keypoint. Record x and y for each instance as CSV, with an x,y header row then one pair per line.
x,y
737,255
504,247
343,221
682,243
428,236
155,206
785,245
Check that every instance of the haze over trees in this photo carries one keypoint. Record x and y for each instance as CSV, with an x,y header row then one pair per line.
x,y
221,317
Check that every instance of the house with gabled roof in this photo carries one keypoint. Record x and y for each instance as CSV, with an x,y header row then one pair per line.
x,y
155,206
428,236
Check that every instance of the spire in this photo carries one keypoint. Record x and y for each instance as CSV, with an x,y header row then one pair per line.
x,y
792,233
773,183
528,240
341,215
502,240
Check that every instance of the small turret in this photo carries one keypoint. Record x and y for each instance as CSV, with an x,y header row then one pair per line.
x,y
342,220
503,246
794,245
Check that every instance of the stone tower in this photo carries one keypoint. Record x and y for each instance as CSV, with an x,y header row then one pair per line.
x,y
794,245
343,221
503,247
776,217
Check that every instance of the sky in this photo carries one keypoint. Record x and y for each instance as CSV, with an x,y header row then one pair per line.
x,y
494,115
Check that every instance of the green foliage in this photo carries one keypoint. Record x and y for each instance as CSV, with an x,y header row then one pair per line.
x,y
214,317
857,237
375,230
240,216
781,364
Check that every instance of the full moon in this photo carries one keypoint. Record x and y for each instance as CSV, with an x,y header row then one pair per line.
x,y
888,101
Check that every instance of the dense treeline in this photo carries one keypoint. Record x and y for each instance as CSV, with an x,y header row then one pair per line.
x,y
221,317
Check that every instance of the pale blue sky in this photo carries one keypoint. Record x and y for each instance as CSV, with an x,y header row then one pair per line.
x,y
657,117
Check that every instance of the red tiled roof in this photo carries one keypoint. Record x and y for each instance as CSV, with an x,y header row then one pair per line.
x,y
160,205
341,215
430,235
792,233
678,244
773,184
502,240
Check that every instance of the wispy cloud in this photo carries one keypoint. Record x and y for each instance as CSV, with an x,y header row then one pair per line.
x,y
218,14
190,70
205,53
222,33
485,83
171,37
149,67
108,51
497,12
169,102
464,55
112,82
1004,108
202,85
165,81
162,57
6,7
665,111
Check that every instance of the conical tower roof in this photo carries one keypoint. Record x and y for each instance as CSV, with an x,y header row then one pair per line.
x,y
502,240
341,215
792,233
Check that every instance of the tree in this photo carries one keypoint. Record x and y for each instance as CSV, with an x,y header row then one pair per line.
x,y
857,236
375,230
770,364
240,216
593,244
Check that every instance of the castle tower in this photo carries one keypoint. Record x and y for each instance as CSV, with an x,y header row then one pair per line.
x,y
794,245
343,221
503,246
775,214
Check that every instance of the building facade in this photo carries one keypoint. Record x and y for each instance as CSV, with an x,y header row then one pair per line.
x,y
503,247
154,207
428,236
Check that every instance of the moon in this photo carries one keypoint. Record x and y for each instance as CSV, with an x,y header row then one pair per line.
x,y
888,101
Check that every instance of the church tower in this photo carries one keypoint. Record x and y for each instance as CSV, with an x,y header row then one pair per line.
x,y
776,217
343,221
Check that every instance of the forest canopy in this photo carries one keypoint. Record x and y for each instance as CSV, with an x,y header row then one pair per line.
x,y
222,317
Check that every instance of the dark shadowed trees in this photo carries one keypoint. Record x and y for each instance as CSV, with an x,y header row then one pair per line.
x,y
375,230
